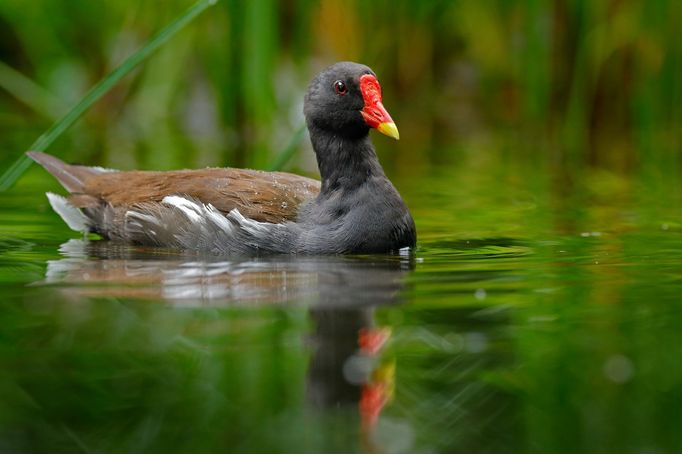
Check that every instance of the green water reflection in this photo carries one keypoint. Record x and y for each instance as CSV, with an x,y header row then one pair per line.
x,y
529,320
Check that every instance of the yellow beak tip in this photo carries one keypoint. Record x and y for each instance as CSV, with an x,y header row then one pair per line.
x,y
389,129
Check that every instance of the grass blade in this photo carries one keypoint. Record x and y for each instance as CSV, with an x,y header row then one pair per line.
x,y
32,95
48,137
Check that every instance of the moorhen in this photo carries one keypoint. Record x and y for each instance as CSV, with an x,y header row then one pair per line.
x,y
355,209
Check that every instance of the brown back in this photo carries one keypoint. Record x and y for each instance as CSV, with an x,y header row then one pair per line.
x,y
263,196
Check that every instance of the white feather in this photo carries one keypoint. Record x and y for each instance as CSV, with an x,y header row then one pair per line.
x,y
255,228
103,169
73,217
144,217
218,218
191,209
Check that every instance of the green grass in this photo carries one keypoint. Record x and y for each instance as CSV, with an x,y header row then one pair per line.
x,y
17,169
596,85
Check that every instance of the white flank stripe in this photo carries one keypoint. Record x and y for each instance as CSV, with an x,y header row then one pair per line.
x,y
218,218
191,209
253,227
143,217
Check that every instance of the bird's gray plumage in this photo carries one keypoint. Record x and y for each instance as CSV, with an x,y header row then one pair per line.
x,y
357,210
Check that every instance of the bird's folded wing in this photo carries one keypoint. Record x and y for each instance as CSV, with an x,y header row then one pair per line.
x,y
263,196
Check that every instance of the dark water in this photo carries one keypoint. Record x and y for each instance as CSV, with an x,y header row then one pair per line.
x,y
542,312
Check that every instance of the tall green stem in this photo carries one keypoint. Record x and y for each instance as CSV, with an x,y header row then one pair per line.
x,y
19,166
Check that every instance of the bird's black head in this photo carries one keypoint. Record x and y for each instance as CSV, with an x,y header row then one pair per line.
x,y
345,99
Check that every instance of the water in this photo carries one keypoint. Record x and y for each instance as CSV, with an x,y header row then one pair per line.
x,y
540,313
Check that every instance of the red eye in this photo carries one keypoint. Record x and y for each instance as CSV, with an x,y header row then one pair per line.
x,y
340,88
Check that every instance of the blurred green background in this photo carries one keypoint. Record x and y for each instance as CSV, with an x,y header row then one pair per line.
x,y
573,84
540,157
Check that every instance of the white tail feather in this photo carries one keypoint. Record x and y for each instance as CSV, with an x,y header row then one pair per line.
x,y
73,217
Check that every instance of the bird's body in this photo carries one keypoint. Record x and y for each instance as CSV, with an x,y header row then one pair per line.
x,y
355,208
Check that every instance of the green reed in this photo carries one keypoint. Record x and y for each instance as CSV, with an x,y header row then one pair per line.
x,y
103,86
596,85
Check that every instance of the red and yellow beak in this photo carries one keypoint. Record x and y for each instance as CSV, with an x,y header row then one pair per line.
x,y
374,112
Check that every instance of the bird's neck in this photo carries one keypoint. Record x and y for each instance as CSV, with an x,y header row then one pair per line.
x,y
344,163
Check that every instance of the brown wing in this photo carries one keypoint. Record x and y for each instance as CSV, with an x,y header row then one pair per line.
x,y
263,196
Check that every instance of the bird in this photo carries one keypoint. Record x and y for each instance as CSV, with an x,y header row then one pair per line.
x,y
353,209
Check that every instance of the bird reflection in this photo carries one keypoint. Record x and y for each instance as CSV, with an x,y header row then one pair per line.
x,y
346,368
100,268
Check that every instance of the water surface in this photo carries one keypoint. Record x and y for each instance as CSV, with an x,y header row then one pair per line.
x,y
541,312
